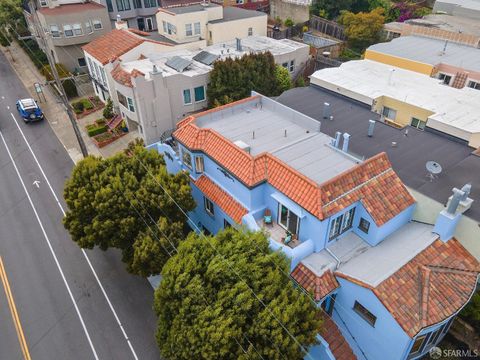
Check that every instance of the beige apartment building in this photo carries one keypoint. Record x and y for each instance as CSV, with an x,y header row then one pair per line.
x,y
211,22
155,92
67,26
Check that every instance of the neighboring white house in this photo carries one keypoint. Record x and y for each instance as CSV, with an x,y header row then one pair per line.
x,y
155,92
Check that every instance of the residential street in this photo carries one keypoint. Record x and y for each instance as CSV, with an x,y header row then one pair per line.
x,y
70,304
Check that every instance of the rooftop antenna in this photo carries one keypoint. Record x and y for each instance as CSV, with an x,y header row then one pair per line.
x,y
445,47
434,169
390,76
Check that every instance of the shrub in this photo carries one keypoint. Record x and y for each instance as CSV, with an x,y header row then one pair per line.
x,y
100,122
289,22
78,106
103,137
94,129
5,39
300,82
70,88
108,110
87,104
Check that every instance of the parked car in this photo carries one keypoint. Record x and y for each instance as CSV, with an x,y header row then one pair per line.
x,y
29,110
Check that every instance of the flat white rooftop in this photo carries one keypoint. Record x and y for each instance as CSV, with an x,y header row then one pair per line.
x,y
373,264
431,51
369,80
250,44
267,126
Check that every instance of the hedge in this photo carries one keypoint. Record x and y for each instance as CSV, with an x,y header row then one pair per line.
x,y
94,129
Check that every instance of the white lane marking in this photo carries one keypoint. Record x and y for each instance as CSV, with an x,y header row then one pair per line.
x,y
83,251
51,248
36,183
8,107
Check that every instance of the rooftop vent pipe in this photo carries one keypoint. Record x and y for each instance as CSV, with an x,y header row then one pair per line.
x,y
371,127
338,135
327,111
346,140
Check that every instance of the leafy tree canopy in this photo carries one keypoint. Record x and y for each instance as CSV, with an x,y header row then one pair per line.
x,y
206,312
362,29
117,202
234,79
10,12
284,80
330,8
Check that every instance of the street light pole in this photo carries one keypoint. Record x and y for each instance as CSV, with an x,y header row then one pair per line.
x,y
63,95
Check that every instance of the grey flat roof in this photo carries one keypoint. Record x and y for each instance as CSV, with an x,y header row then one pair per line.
x,y
373,264
159,37
410,155
189,8
430,51
263,128
233,13
449,23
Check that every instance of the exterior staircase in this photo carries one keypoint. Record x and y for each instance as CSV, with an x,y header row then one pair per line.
x,y
114,122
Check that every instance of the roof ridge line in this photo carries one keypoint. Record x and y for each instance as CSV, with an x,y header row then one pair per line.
x,y
359,186
446,269
424,290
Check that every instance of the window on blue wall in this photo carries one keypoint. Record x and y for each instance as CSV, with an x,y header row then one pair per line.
x,y
341,224
226,224
209,208
417,347
199,167
364,225
187,159
364,313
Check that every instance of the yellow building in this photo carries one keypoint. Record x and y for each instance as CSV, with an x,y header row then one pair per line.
x,y
406,98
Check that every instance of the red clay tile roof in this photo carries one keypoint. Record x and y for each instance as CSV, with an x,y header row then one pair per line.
x,y
112,45
319,286
121,76
336,342
431,287
220,197
70,9
373,182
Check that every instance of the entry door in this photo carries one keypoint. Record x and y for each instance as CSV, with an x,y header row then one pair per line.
x,y
288,219
149,26
141,24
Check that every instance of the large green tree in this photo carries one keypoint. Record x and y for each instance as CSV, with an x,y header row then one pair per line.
x,y
362,29
234,79
206,309
119,201
10,12
331,8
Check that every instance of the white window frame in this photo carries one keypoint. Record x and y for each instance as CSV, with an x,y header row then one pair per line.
x,y
443,76
131,105
209,206
188,29
291,66
204,94
95,24
104,78
68,27
412,119
197,28
199,165
164,24
389,112
53,32
183,97
347,222
473,84
88,27
77,29
185,153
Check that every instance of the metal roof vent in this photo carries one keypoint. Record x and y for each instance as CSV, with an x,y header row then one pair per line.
x,y
242,145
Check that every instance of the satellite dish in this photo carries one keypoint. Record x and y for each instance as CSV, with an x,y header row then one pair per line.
x,y
434,169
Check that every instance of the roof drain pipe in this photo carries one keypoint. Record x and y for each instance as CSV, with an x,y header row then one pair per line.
x,y
335,257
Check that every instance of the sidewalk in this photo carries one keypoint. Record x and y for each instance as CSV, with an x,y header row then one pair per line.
x,y
54,110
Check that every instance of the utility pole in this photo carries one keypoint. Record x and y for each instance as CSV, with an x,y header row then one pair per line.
x,y
63,95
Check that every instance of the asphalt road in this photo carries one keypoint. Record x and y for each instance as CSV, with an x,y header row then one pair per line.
x,y
70,304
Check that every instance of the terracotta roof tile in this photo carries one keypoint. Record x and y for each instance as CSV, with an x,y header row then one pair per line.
x,y
112,45
220,197
319,286
431,287
121,76
337,343
373,182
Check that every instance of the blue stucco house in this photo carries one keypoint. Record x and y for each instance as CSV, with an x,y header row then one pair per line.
x,y
389,286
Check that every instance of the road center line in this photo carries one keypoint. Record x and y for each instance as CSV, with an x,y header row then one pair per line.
x,y
117,319
51,249
13,311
